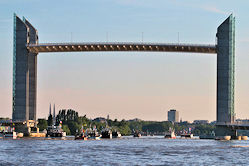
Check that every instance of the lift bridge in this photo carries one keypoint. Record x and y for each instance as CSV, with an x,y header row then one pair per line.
x,y
27,47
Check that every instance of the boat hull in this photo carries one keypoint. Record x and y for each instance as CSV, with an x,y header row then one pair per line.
x,y
80,138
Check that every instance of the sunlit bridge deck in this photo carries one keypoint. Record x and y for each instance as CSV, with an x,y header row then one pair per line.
x,y
108,46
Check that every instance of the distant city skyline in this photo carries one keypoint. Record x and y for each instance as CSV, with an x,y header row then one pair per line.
x,y
127,85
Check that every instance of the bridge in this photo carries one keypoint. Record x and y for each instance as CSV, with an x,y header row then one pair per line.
x,y
106,46
26,49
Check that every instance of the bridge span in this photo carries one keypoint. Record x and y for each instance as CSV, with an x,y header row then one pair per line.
x,y
118,46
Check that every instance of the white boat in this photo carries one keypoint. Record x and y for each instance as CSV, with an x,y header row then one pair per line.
x,y
12,135
7,132
55,131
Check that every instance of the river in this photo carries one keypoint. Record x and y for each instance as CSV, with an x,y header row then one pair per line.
x,y
125,151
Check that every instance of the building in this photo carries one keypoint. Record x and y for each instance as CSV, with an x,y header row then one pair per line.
x,y
201,122
173,116
99,119
135,120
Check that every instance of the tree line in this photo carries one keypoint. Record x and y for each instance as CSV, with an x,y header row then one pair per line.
x,y
72,122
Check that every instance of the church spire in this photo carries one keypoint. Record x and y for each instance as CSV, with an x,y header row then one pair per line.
x,y
49,110
54,112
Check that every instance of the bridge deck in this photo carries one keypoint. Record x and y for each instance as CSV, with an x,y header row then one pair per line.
x,y
105,46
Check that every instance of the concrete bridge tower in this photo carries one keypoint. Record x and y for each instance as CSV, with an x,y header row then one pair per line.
x,y
225,77
225,71
24,71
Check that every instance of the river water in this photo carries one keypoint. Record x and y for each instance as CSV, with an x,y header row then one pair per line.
x,y
125,151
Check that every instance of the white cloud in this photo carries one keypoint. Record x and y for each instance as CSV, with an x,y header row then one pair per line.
x,y
214,9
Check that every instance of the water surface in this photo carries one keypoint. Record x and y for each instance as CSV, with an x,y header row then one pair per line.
x,y
125,151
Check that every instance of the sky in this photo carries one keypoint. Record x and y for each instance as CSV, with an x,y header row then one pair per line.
x,y
127,85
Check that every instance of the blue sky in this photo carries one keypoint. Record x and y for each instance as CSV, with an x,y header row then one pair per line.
x,y
127,85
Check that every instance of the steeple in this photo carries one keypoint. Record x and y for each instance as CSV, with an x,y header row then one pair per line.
x,y
49,110
54,118
54,112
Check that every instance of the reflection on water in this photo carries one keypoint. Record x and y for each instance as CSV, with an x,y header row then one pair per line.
x,y
125,151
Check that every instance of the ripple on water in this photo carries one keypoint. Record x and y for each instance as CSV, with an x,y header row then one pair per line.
x,y
126,151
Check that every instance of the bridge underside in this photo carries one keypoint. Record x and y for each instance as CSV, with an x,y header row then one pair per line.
x,y
235,126
148,47
230,129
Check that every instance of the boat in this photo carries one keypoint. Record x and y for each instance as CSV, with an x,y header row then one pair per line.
x,y
137,134
188,135
93,134
170,134
12,135
116,134
55,131
106,133
8,132
81,137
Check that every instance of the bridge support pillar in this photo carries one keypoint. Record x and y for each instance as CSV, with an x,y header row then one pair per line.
x,y
24,71
222,130
225,73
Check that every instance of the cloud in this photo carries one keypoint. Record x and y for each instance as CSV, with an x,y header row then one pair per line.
x,y
214,9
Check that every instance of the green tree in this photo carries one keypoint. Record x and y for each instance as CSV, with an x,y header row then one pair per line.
x,y
66,129
42,124
73,127
136,125
125,130
83,120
